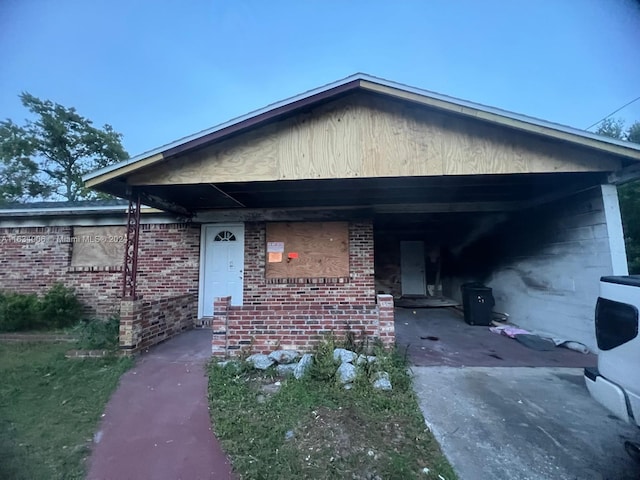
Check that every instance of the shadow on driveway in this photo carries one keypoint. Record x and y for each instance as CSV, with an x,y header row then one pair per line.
x,y
523,424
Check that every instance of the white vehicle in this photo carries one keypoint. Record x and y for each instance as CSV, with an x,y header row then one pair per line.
x,y
616,381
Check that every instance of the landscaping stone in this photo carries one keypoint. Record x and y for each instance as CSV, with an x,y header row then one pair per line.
x,y
303,365
346,373
88,353
271,388
343,355
348,386
286,369
260,361
365,359
381,381
284,356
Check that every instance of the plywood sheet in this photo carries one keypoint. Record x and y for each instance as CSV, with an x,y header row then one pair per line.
x,y
98,246
310,250
369,136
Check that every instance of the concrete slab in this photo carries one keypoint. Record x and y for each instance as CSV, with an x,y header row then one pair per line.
x,y
523,424
156,425
439,336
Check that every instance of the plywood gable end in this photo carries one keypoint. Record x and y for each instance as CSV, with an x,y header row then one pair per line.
x,y
364,135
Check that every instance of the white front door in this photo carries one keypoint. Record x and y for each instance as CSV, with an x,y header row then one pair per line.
x,y
412,268
221,272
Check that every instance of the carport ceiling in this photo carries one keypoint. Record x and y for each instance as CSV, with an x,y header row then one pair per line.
x,y
384,195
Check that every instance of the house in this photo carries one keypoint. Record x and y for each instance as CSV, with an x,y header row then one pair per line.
x,y
311,215
81,244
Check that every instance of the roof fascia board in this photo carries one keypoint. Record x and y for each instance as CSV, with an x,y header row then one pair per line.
x,y
520,122
74,211
374,84
238,123
112,171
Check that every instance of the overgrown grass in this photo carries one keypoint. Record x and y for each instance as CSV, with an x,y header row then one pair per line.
x,y
50,407
97,334
313,428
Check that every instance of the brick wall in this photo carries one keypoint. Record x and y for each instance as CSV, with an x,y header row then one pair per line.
x,y
144,323
32,259
297,315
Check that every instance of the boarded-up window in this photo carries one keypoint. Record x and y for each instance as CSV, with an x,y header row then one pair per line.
x,y
307,250
97,246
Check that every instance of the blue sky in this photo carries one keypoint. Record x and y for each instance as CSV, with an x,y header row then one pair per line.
x,y
159,70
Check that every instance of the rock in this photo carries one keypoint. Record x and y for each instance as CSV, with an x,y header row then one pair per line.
x,y
344,356
284,356
271,388
381,381
229,364
303,365
365,359
260,361
348,386
286,370
346,373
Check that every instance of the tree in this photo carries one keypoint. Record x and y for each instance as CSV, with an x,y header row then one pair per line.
x,y
18,173
55,150
629,194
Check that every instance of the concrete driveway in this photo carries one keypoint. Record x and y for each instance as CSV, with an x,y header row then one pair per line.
x,y
523,424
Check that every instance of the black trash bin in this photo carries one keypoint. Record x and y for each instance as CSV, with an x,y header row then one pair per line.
x,y
478,303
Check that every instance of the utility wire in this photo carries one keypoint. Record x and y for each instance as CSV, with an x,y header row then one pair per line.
x,y
613,113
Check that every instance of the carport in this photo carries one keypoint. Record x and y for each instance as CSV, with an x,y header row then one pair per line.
x,y
461,191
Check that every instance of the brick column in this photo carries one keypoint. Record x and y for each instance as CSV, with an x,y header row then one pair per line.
x,y
130,325
219,325
386,327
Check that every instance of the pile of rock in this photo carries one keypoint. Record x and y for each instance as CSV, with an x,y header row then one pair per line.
x,y
286,362
289,362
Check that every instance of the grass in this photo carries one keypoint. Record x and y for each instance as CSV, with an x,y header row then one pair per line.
x,y
50,407
313,428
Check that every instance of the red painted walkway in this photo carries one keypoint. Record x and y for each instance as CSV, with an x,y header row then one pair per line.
x,y
156,425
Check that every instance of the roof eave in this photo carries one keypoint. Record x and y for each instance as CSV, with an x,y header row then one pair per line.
x,y
377,85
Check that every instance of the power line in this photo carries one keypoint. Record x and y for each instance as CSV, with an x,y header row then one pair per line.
x,y
613,113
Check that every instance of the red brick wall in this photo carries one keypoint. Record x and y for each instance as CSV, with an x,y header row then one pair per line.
x,y
145,323
33,259
298,315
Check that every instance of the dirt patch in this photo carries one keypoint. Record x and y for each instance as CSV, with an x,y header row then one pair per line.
x,y
342,438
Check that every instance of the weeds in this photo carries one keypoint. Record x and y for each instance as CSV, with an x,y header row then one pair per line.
x,y
313,428
97,334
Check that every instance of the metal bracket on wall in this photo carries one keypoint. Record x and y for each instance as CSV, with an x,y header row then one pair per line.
x,y
131,249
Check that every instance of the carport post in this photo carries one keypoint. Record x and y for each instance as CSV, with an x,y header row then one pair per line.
x,y
131,250
615,232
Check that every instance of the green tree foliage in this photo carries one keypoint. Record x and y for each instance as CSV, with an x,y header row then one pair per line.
x,y
629,194
47,157
18,172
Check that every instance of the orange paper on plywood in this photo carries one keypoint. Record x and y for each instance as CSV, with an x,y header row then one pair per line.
x,y
275,257
312,250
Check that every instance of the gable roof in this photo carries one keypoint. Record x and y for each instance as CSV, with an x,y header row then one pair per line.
x,y
368,83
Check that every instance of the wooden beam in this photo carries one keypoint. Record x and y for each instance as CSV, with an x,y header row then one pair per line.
x,y
449,207
625,175
165,205
227,195
282,215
